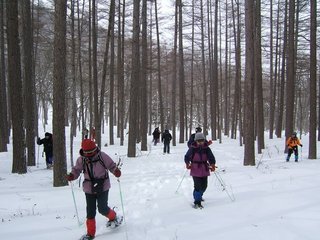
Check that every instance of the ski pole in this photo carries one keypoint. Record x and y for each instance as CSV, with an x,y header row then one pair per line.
x,y
122,206
74,202
224,187
119,165
184,175
38,156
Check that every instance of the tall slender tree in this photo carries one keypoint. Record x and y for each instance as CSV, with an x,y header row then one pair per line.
x,y
258,77
290,70
143,88
181,75
159,67
15,88
249,152
3,87
174,76
135,75
313,82
59,86
29,91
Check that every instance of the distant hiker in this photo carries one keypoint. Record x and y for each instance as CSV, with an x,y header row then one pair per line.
x,y
191,139
200,160
85,133
95,165
292,144
47,148
166,138
156,135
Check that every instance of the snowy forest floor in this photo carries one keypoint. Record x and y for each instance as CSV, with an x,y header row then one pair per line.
x,y
277,200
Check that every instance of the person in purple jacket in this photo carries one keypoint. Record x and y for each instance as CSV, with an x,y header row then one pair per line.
x,y
95,165
200,160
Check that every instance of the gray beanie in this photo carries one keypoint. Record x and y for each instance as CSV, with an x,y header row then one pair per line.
x,y
199,136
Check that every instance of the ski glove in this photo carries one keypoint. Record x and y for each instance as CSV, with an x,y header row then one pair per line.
x,y
212,167
70,177
188,165
117,172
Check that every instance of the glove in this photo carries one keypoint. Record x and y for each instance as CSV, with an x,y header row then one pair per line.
x,y
188,166
70,177
117,172
212,167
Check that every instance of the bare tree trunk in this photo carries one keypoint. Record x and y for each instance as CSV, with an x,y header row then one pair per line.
x,y
174,76
249,153
143,92
91,101
271,86
290,84
112,66
133,117
3,87
227,80
192,68
73,127
282,77
15,89
214,115
28,82
159,67
59,86
258,78
104,73
181,76
237,94
120,62
83,119
151,73
97,119
203,72
313,82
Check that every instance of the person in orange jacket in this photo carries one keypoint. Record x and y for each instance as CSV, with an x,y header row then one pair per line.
x,y
292,144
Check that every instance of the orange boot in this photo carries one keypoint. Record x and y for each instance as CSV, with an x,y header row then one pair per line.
x,y
111,215
91,227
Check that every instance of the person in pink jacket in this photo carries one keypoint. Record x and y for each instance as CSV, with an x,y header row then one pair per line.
x,y
95,165
200,160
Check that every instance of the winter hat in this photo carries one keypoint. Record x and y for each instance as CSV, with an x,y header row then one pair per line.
x,y
198,129
89,147
199,136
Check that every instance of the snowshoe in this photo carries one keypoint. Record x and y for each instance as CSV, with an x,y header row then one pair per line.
x,y
198,206
86,237
115,223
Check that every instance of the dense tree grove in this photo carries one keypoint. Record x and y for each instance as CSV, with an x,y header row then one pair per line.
x,y
236,68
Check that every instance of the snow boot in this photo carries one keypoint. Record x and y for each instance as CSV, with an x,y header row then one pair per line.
x,y
114,220
86,237
91,228
111,215
198,205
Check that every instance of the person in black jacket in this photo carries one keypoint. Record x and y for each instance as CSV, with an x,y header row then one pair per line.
x,y
47,148
166,138
156,135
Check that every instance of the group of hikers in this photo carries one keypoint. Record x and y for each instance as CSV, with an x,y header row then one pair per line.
x,y
96,165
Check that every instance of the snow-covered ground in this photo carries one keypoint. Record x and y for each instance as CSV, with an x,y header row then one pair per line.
x,y
277,200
